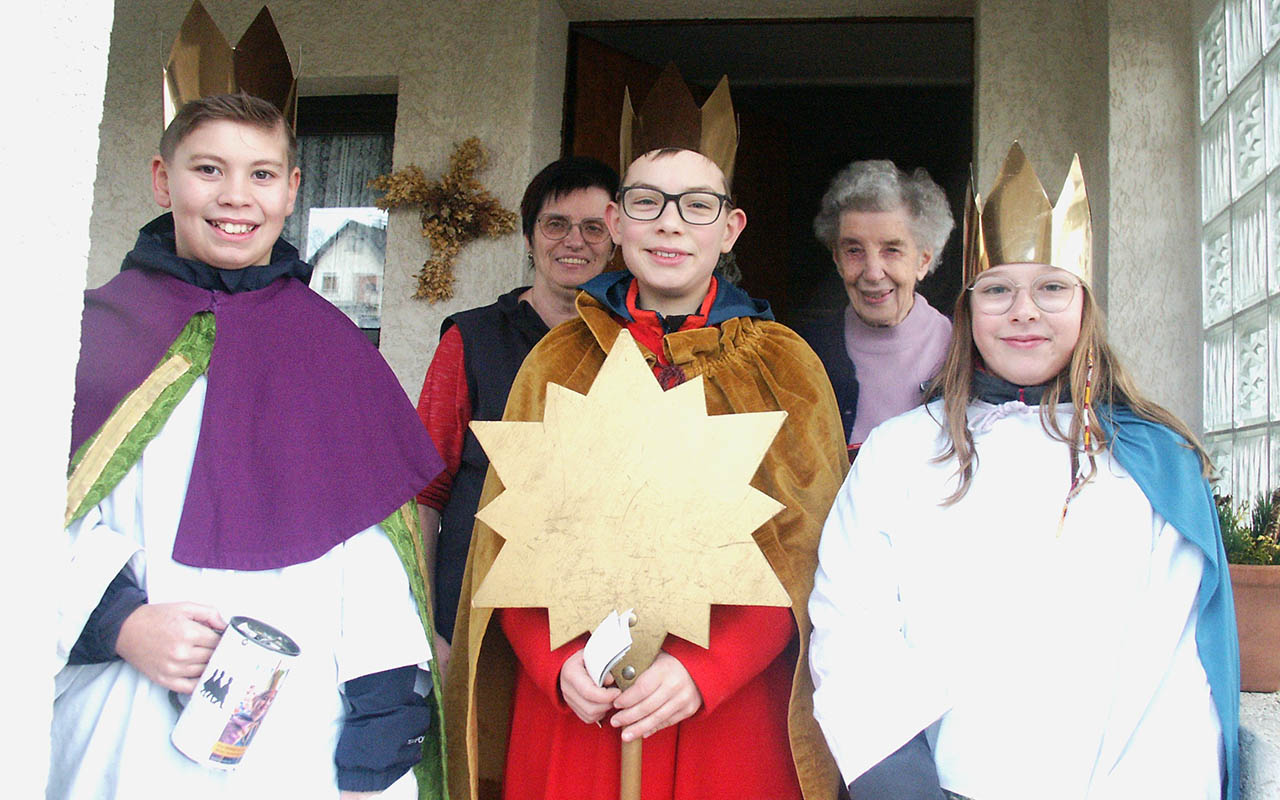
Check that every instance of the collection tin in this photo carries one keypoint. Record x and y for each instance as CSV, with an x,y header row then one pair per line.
x,y
234,694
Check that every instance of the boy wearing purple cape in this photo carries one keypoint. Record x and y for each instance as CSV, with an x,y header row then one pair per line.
x,y
239,449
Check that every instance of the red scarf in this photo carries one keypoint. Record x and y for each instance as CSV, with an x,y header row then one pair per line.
x,y
646,328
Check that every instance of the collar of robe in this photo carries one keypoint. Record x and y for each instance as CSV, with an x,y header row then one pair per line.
x,y
156,247
996,390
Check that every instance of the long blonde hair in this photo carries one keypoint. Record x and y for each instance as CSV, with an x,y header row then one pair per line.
x,y
1111,385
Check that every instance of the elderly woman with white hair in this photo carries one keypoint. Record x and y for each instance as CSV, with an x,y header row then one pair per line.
x,y
886,229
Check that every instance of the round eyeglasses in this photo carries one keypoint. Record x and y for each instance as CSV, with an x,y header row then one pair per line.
x,y
644,203
556,227
1050,293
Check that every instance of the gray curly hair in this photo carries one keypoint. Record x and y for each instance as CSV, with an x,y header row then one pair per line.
x,y
882,186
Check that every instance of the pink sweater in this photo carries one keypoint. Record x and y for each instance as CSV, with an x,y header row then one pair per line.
x,y
891,363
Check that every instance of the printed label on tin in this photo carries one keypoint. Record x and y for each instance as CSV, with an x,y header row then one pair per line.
x,y
245,719
239,684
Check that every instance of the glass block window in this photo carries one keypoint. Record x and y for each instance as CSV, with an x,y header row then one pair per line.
x,y
1239,105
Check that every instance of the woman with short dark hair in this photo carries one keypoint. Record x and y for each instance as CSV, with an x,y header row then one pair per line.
x,y
480,351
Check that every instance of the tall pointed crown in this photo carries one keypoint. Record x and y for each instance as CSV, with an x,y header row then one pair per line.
x,y
1017,224
202,63
669,117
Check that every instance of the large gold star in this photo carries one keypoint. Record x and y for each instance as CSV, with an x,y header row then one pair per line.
x,y
629,497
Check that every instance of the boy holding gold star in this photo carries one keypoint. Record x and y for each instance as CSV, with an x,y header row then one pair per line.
x,y
733,720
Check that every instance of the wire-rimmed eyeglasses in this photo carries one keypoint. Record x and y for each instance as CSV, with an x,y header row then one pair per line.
x,y
556,227
996,295
645,203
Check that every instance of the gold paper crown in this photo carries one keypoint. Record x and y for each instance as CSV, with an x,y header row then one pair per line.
x,y
669,117
1017,224
202,63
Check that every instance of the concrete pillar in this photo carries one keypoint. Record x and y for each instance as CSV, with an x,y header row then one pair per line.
x,y
1115,82
1041,78
1153,261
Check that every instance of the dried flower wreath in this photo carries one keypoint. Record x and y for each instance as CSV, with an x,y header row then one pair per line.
x,y
456,210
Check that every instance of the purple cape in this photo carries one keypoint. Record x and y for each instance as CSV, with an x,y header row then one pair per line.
x,y
307,437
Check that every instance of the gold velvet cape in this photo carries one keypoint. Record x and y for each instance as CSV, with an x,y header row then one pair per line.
x,y
747,365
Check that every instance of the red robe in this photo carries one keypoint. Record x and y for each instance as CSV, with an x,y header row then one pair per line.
x,y
734,748
755,736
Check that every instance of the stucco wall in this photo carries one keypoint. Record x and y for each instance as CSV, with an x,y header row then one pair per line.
x,y
1154,264
488,69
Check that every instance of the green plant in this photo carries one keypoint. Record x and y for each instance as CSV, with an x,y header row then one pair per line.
x,y
1251,534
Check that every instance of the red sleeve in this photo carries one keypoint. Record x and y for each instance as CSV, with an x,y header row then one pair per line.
x,y
445,408
529,633
744,641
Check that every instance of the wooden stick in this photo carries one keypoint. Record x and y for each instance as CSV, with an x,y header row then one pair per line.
x,y
630,784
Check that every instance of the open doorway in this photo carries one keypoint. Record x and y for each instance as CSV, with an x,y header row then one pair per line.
x,y
811,96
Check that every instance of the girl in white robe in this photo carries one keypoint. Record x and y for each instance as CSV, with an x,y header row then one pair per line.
x,y
1021,590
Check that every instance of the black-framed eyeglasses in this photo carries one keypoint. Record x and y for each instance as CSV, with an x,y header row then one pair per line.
x,y
1050,293
556,227
645,203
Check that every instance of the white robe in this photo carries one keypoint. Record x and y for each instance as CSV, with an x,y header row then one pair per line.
x,y
1042,665
350,611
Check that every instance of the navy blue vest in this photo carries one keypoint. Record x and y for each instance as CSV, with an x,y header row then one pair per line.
x,y
826,336
495,340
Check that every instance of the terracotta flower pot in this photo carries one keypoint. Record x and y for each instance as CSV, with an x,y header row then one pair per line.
x,y
1257,595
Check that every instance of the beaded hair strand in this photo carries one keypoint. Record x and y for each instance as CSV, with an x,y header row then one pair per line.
x,y
1078,480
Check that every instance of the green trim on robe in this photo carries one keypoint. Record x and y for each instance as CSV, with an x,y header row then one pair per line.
x,y
402,528
195,344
